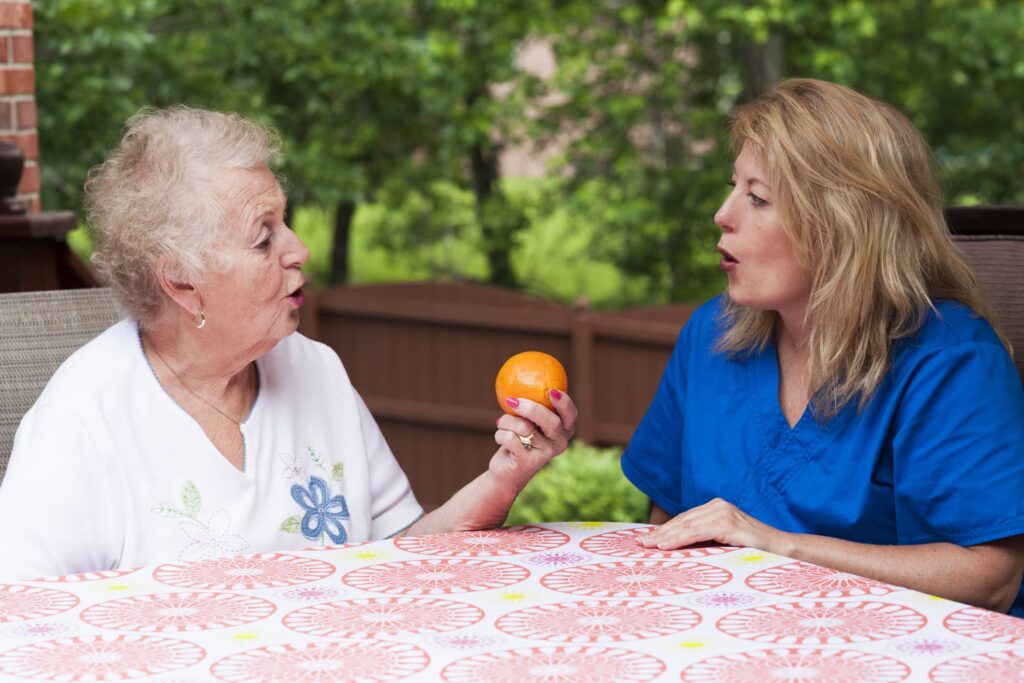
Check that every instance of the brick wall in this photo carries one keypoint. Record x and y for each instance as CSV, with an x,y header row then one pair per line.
x,y
17,92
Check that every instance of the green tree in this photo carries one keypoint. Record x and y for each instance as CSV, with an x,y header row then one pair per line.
x,y
646,85
397,103
368,95
339,79
96,64
473,44
955,67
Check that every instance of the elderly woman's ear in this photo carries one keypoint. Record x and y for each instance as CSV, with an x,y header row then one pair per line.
x,y
177,287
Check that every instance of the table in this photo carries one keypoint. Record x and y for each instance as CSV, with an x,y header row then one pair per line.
x,y
554,602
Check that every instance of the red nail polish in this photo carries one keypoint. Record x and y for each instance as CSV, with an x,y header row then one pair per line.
x,y
512,402
555,394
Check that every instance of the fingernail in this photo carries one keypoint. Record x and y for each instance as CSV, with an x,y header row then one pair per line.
x,y
555,394
512,402
497,422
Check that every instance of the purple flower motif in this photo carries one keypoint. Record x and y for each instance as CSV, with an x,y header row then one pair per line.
x,y
556,559
41,629
725,599
310,593
928,646
323,512
466,641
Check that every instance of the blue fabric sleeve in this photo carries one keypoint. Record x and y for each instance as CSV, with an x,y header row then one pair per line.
x,y
958,447
652,458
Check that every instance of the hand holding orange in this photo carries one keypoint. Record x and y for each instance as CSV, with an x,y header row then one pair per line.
x,y
531,375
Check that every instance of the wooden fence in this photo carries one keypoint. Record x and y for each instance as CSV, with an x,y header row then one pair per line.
x,y
424,357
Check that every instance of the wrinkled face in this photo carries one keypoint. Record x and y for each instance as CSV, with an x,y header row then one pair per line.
x,y
757,256
254,303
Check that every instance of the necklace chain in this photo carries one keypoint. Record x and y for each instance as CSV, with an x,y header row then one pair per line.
x,y
237,423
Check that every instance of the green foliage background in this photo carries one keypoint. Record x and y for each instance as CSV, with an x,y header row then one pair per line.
x,y
583,484
394,114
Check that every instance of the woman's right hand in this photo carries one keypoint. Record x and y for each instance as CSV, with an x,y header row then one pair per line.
x,y
484,502
551,432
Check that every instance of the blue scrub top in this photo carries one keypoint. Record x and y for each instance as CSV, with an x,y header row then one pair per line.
x,y
936,455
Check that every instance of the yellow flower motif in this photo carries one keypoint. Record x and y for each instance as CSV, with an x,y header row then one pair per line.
x,y
692,644
751,558
245,636
513,597
367,554
118,587
363,555
697,645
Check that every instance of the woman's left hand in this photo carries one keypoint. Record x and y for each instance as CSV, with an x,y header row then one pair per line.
x,y
532,437
717,521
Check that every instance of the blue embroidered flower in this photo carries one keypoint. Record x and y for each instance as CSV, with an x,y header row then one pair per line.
x,y
323,513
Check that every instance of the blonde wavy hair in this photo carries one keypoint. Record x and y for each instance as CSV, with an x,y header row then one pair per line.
x,y
854,187
153,197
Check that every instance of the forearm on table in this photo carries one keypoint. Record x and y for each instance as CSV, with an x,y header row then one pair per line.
x,y
987,575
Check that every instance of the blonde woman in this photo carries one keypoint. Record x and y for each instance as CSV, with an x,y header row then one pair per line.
x,y
845,402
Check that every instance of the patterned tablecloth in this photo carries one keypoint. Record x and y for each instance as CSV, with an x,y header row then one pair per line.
x,y
557,602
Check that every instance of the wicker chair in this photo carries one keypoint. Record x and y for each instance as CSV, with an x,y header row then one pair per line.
x,y
38,330
991,240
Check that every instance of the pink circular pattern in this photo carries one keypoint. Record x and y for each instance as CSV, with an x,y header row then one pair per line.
x,y
433,577
636,579
171,612
88,576
991,667
100,658
370,617
802,580
563,664
623,543
797,665
822,623
598,621
980,624
353,660
515,540
18,602
269,570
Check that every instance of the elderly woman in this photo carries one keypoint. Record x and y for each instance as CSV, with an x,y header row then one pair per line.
x,y
203,424
846,401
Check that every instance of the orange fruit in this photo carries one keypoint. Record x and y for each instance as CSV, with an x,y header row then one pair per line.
x,y
532,375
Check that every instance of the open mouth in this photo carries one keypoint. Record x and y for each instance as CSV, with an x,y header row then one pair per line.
x,y
297,297
727,258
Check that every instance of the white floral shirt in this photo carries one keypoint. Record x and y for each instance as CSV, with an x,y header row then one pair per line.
x,y
109,472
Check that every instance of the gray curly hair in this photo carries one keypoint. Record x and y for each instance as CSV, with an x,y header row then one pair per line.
x,y
153,197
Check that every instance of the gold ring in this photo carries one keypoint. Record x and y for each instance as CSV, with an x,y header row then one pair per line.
x,y
527,441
